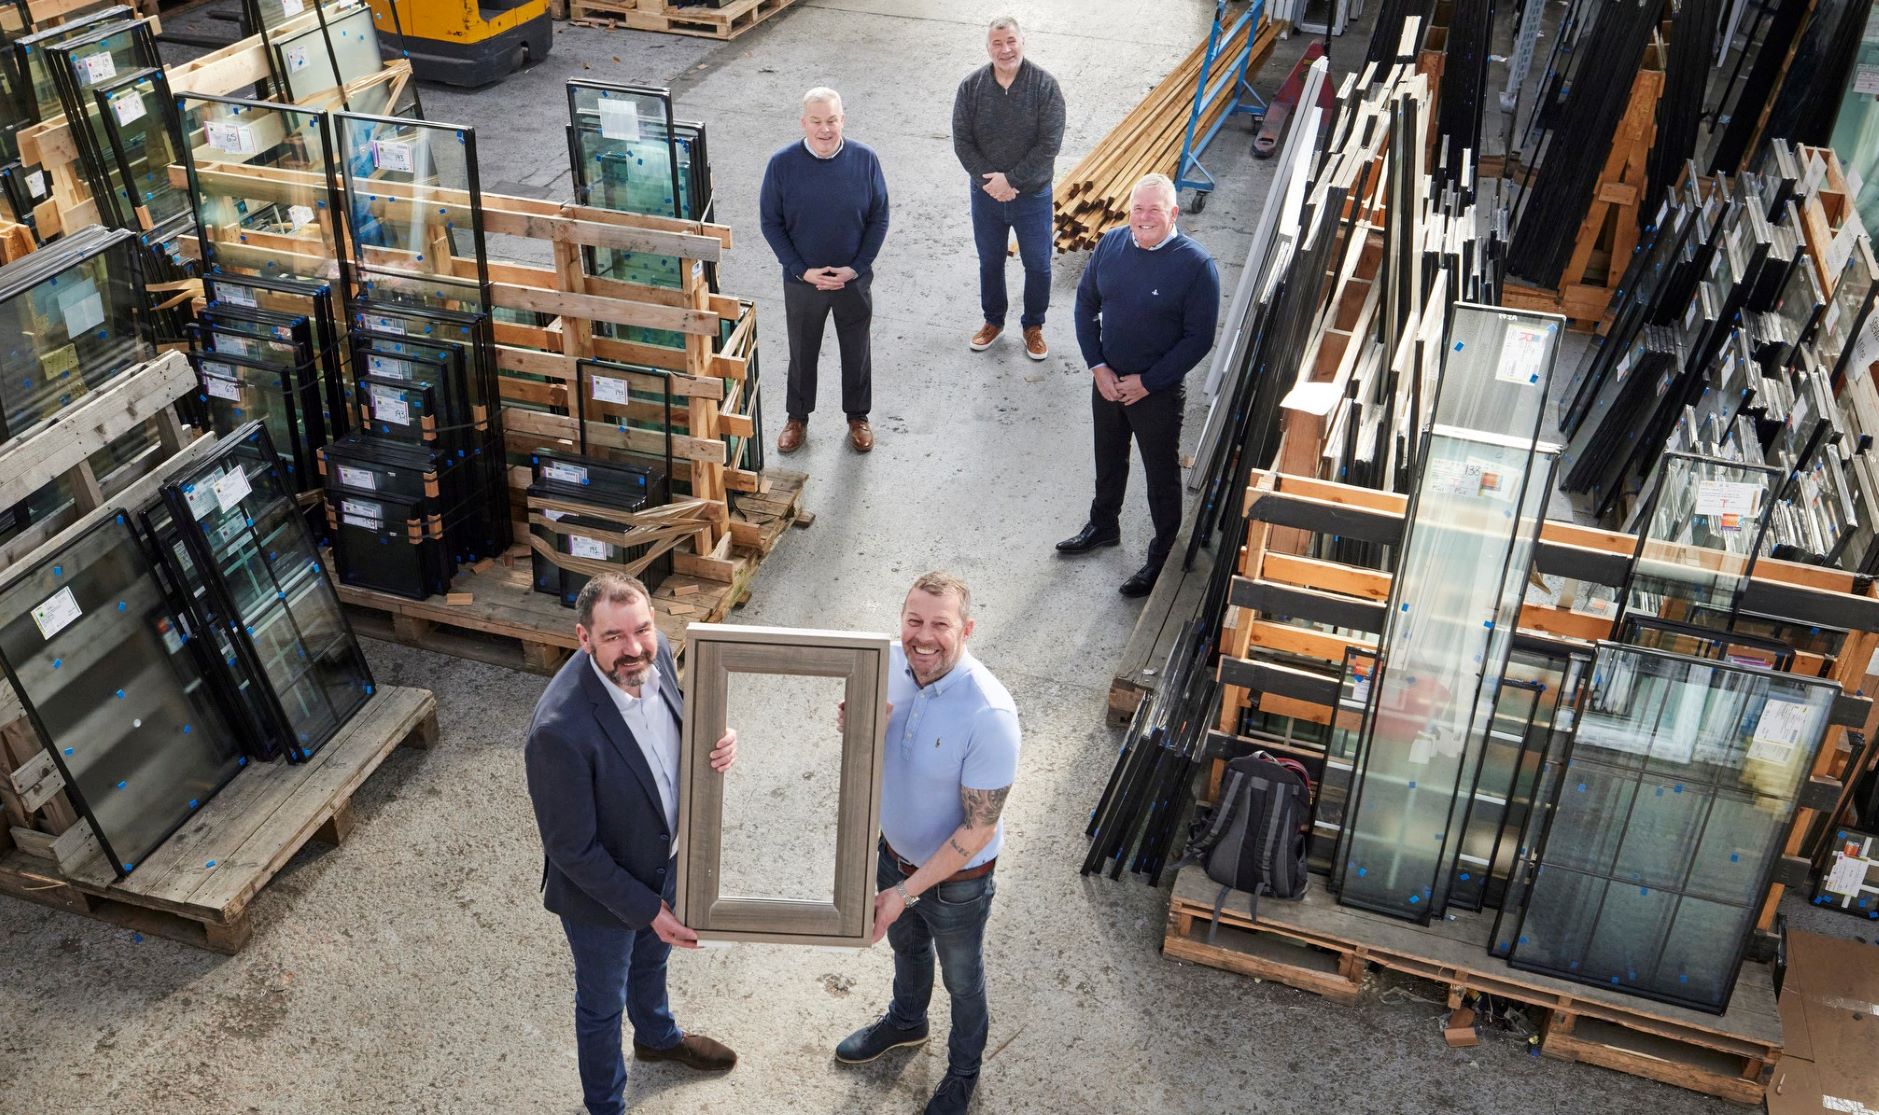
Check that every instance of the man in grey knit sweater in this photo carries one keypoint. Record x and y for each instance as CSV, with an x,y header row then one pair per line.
x,y
1007,129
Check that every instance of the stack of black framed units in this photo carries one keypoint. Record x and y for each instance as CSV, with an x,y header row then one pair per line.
x,y
37,99
22,187
630,154
75,319
1434,698
159,645
422,384
269,339
580,504
325,54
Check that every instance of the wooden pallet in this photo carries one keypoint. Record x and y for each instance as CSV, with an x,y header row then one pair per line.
x,y
504,621
1316,945
197,886
725,22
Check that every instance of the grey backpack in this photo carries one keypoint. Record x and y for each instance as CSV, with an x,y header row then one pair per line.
x,y
1255,839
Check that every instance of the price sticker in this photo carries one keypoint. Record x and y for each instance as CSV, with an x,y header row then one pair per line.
x,y
1523,354
299,57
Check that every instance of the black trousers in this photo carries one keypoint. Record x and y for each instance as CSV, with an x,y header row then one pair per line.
x,y
1155,423
806,311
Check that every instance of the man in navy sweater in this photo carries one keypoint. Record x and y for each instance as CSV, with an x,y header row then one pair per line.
x,y
824,212
1146,310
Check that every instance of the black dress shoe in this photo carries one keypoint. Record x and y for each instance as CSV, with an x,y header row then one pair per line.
x,y
1143,582
1089,538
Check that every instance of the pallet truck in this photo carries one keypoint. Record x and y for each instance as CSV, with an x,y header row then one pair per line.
x,y
469,43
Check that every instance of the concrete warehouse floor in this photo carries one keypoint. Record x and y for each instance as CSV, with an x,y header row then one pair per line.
x,y
413,969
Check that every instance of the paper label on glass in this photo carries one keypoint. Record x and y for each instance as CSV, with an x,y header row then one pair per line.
x,y
60,361
392,155
57,613
234,139
1523,354
582,546
362,523
292,7
1779,732
299,216
97,67
384,324
222,388
82,307
358,478
36,183
201,497
1847,876
609,390
568,474
378,364
619,118
232,488
299,57
128,107
235,295
239,346
554,516
361,510
1727,498
1866,78
388,407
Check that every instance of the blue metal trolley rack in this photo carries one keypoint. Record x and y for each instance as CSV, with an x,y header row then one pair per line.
x,y
1189,173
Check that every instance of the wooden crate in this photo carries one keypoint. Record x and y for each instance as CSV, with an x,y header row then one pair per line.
x,y
504,621
1316,945
726,21
197,886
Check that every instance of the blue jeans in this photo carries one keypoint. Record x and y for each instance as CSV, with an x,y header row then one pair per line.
x,y
992,225
617,968
950,918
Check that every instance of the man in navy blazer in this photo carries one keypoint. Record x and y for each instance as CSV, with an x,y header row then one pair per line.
x,y
603,761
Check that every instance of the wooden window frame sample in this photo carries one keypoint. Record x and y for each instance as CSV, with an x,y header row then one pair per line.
x,y
714,651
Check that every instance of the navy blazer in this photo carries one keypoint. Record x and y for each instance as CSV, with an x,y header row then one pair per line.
x,y
603,828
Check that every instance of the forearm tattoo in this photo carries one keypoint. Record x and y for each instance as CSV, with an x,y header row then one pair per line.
x,y
954,841
982,806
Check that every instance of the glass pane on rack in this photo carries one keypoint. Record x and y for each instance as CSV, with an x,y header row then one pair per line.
x,y
259,176
114,686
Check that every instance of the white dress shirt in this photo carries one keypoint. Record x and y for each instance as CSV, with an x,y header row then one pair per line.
x,y
656,731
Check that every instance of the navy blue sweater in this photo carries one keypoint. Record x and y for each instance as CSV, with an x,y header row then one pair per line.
x,y
824,212
1147,313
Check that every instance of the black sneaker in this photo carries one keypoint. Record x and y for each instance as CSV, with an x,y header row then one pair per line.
x,y
869,1042
953,1095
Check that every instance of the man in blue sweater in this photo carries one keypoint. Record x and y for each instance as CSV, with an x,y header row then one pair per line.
x,y
824,212
1146,310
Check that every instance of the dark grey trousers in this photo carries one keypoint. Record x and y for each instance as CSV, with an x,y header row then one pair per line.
x,y
806,311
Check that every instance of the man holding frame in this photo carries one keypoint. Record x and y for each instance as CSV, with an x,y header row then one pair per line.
x,y
952,755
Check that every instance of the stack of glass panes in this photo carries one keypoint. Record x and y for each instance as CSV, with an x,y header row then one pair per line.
x,y
159,646
1671,810
270,266
629,154
573,479
1467,546
423,377
326,55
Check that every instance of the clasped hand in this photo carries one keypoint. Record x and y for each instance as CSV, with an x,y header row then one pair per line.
x,y
830,278
997,187
1127,390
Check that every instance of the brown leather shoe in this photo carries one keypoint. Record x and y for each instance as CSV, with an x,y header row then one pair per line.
x,y
860,434
791,439
694,1051
1034,345
983,339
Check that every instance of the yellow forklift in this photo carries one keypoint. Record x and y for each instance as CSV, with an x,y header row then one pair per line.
x,y
469,43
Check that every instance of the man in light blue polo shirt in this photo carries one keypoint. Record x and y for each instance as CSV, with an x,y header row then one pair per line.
x,y
952,755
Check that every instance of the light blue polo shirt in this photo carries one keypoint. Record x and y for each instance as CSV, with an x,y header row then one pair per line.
x,y
961,731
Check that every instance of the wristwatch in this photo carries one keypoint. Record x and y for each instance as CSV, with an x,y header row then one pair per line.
x,y
906,899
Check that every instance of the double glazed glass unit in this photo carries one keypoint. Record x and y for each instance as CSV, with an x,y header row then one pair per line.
x,y
1674,804
243,528
117,687
1454,602
1699,538
580,481
72,319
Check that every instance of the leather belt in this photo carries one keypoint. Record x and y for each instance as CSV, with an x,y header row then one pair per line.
x,y
966,876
